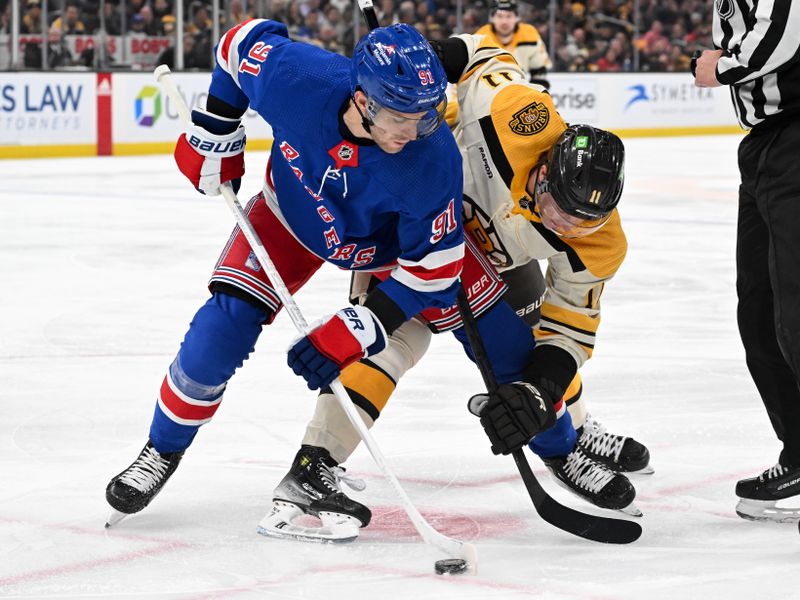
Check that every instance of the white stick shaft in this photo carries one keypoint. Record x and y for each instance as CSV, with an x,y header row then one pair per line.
x,y
163,77
450,546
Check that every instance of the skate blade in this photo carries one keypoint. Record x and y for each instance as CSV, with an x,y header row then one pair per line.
x,y
115,517
647,470
766,511
631,510
336,528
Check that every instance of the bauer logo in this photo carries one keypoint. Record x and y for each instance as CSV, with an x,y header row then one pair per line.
x,y
147,107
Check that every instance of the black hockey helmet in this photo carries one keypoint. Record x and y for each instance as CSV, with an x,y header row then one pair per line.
x,y
509,5
586,172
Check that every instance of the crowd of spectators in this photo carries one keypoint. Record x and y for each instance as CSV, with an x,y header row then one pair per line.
x,y
593,35
601,35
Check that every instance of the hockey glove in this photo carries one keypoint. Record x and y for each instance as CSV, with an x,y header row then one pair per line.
x,y
211,152
513,415
342,339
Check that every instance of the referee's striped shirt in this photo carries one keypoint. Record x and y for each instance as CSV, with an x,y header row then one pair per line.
x,y
761,59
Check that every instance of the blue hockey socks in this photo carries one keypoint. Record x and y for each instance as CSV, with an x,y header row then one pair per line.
x,y
559,440
221,336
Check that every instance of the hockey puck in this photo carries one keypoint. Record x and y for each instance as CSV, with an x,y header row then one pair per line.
x,y
450,566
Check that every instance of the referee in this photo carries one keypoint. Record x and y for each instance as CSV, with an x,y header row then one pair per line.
x,y
757,56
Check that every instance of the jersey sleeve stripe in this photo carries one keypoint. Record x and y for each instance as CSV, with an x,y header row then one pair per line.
x,y
765,47
577,322
449,271
421,285
496,150
564,329
501,56
421,279
435,259
228,48
224,47
545,335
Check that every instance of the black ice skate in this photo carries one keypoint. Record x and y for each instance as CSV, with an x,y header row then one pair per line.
x,y
618,453
134,488
312,487
593,481
758,495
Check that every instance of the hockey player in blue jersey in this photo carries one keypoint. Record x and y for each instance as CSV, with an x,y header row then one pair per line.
x,y
361,175
534,189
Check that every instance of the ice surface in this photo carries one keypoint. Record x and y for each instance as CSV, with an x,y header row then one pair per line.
x,y
103,263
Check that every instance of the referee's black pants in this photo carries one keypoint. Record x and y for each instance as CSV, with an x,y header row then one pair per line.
x,y
768,275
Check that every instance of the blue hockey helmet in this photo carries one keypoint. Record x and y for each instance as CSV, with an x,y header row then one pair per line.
x,y
396,68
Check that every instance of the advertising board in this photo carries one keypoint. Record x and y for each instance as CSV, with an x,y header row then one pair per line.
x,y
41,112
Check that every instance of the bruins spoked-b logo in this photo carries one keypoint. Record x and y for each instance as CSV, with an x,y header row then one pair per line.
x,y
530,120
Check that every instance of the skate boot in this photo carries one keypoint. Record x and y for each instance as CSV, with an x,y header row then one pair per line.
x,y
593,481
311,487
619,453
134,488
758,495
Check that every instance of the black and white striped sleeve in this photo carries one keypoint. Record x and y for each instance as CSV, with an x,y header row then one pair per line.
x,y
771,41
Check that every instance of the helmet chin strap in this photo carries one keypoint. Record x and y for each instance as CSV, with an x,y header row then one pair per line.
x,y
366,122
538,188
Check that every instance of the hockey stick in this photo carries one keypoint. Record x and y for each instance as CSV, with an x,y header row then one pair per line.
x,y
451,547
599,529
591,527
368,10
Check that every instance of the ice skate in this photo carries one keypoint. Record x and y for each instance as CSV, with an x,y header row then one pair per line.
x,y
758,496
618,453
134,488
593,481
311,487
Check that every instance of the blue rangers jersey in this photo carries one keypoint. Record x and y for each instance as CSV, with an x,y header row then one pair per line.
x,y
346,200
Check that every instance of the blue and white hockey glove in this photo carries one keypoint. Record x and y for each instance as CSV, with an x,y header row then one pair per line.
x,y
211,152
513,415
349,335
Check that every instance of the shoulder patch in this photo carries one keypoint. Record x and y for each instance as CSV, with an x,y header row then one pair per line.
x,y
530,120
725,9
